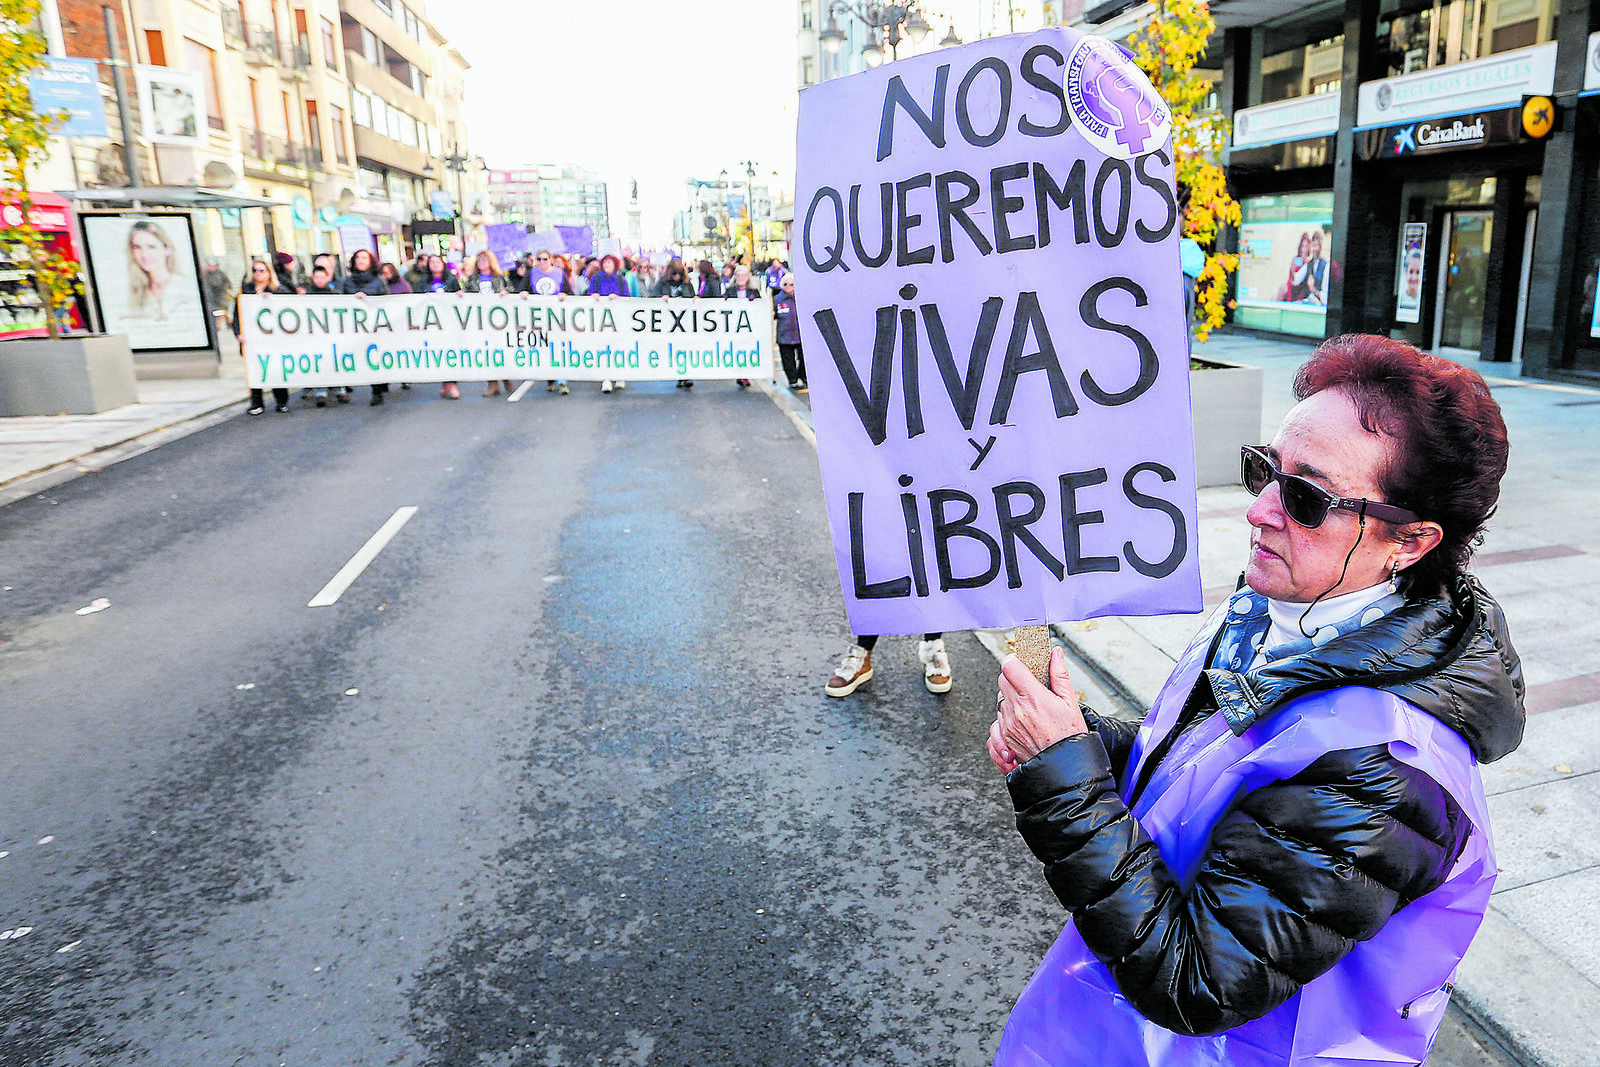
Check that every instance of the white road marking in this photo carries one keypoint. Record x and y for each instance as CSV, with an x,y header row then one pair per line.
x,y
351,571
521,391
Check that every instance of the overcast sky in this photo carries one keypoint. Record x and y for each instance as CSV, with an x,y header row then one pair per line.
x,y
657,90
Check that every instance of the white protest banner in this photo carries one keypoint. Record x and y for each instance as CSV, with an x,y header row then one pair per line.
x,y
297,341
992,311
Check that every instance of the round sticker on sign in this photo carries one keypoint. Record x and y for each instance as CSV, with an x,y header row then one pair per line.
x,y
1115,105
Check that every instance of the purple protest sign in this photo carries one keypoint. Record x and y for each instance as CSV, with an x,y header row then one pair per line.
x,y
992,313
577,239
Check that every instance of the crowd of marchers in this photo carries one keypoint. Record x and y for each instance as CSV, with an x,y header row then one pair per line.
x,y
539,273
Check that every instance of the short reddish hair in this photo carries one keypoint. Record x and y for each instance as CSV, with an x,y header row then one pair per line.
x,y
1450,446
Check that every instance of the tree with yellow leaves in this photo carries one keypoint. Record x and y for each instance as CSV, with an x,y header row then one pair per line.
x,y
1166,47
24,138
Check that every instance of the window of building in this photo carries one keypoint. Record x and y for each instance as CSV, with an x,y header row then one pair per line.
x,y
313,126
371,182
412,24
360,108
386,6
330,45
204,60
807,71
1415,36
371,47
1302,56
155,48
805,15
340,150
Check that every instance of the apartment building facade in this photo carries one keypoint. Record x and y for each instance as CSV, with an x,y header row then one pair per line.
x,y
1438,163
328,108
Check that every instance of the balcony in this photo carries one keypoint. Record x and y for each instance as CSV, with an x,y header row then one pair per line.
x,y
232,29
265,153
261,47
297,60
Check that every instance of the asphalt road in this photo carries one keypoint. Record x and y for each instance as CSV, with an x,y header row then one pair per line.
x,y
554,782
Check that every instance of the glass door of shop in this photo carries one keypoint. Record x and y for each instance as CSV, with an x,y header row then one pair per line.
x,y
1463,280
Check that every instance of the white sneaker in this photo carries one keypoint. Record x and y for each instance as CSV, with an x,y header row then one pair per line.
x,y
935,665
853,669
605,386
620,384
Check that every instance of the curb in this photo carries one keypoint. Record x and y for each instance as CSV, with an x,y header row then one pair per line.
x,y
205,413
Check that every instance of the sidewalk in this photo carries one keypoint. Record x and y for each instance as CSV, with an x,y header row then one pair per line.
x,y
1532,977
39,451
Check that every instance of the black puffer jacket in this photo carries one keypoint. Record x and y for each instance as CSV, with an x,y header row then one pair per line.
x,y
1298,871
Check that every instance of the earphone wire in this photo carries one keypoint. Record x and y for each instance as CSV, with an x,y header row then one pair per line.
x,y
1348,556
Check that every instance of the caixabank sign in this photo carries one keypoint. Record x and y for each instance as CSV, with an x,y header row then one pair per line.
x,y
1482,129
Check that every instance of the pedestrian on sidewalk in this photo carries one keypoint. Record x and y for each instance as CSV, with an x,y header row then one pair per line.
x,y
855,667
261,281
1285,863
786,317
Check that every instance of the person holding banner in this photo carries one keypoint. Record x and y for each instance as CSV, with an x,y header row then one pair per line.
x,y
263,279
740,288
549,278
675,284
608,280
486,278
440,279
1285,862
364,279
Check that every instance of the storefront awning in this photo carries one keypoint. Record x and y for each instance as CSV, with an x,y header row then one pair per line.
x,y
183,196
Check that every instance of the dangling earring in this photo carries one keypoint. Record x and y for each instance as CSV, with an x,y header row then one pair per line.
x,y
1394,576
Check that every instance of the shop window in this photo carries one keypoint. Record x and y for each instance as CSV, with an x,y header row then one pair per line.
x,y
1286,259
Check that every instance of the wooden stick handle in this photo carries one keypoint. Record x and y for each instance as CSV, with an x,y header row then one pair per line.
x,y
1033,649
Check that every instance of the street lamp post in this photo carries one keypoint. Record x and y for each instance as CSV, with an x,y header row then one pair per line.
x,y
456,162
887,24
750,206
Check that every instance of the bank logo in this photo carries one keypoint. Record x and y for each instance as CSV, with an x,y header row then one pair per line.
x,y
1405,139
1116,107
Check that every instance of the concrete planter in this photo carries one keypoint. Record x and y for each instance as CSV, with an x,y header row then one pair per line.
x,y
79,374
1227,416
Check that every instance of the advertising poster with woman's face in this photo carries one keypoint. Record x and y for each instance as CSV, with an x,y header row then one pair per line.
x,y
145,281
1408,279
1284,263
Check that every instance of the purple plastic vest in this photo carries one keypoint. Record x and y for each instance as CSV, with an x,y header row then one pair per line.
x,y
1380,1005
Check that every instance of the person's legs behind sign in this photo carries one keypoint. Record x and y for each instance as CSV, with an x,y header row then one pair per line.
x,y
855,666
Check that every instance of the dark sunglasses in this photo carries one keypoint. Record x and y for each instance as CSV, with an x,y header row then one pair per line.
x,y
1306,502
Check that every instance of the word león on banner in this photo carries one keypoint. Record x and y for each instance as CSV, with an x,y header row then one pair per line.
x,y
297,341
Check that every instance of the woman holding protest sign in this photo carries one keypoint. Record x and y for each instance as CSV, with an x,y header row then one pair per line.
x,y
1285,862
675,285
261,281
